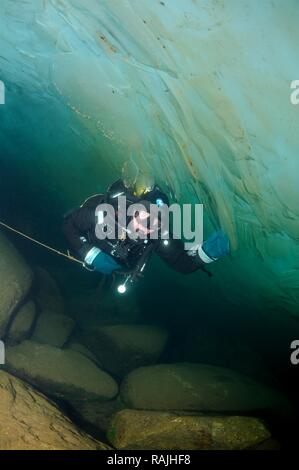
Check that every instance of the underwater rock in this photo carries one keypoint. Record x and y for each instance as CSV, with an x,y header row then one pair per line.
x,y
53,329
186,386
21,325
122,348
15,279
96,415
152,430
61,373
32,422
80,348
48,296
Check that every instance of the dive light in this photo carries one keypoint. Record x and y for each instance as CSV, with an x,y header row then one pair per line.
x,y
133,275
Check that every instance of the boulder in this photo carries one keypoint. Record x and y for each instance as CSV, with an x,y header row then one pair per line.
x,y
122,348
32,422
53,329
48,296
80,348
22,323
200,387
60,372
152,430
95,415
15,279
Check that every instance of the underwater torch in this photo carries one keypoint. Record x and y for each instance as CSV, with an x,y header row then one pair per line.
x,y
132,276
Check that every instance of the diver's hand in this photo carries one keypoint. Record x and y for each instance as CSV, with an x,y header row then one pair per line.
x,y
215,247
100,261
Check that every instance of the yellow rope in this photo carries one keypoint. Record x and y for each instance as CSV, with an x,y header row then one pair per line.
x,y
66,255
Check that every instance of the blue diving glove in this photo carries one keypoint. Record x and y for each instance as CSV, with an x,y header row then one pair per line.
x,y
100,261
216,246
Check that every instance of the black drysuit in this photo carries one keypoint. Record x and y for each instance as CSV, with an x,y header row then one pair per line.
x,y
79,228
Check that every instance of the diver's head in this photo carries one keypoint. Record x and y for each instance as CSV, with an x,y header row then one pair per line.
x,y
145,223
144,184
139,182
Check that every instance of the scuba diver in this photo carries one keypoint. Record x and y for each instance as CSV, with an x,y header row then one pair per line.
x,y
126,255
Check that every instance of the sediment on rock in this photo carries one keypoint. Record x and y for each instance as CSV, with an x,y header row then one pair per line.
x,y
153,430
31,422
61,373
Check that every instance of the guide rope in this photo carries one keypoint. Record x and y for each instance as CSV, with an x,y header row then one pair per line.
x,y
66,255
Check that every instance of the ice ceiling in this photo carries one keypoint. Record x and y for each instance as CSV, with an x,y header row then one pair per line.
x,y
199,91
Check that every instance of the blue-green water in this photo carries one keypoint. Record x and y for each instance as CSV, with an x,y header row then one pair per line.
x,y
197,93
